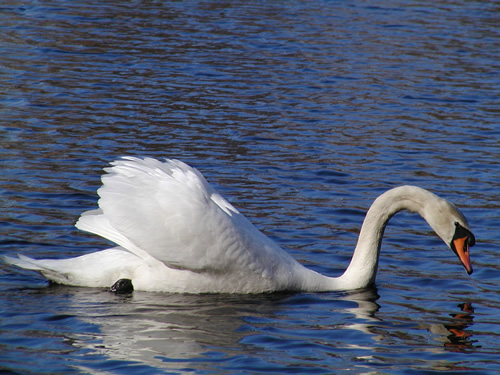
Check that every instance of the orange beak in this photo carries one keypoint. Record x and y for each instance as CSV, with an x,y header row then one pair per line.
x,y
462,250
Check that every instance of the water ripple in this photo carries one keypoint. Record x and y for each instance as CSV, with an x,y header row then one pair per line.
x,y
301,116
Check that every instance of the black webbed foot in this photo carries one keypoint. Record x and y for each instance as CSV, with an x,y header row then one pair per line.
x,y
122,286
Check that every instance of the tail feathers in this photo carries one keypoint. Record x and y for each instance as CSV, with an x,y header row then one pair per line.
x,y
47,267
23,262
99,269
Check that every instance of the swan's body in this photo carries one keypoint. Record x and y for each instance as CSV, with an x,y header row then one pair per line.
x,y
175,233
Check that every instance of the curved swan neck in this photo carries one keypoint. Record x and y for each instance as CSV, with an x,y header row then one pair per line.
x,y
364,263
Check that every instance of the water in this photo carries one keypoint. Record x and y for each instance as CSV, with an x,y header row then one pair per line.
x,y
300,114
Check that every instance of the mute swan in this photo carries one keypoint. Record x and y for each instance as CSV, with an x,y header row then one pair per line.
x,y
175,233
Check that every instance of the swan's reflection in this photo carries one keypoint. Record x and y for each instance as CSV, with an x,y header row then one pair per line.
x,y
452,334
154,328
166,330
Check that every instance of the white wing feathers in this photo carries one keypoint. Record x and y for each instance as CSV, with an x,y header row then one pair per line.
x,y
168,211
96,222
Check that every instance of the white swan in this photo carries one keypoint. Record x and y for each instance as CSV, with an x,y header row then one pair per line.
x,y
177,234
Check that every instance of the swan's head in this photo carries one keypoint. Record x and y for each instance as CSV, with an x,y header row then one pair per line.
x,y
451,225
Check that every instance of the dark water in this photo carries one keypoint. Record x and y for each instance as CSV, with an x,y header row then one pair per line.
x,y
301,114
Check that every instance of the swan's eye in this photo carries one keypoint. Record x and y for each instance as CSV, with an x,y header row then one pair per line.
x,y
461,232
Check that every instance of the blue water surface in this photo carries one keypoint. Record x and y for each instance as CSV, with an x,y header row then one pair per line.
x,y
300,113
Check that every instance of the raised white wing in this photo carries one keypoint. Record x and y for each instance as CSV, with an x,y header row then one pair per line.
x,y
168,211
